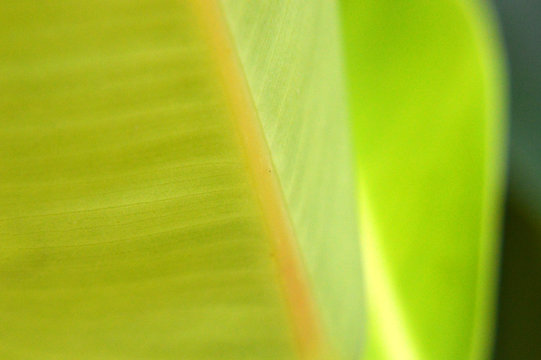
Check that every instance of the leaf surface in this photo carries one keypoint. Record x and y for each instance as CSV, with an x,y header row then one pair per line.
x,y
427,101
142,213
290,53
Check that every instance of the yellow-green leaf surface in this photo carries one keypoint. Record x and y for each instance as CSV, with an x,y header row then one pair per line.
x,y
426,99
142,213
290,51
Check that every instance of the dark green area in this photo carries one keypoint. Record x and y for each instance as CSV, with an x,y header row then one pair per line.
x,y
519,325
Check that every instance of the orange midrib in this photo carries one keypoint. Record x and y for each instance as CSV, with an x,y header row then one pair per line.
x,y
307,329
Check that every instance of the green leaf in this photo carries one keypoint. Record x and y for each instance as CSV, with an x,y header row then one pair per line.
x,y
427,101
142,213
290,52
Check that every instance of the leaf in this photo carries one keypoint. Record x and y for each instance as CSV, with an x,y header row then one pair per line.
x,y
427,100
142,213
290,52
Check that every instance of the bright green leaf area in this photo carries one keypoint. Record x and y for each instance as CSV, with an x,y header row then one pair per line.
x,y
129,228
291,56
426,99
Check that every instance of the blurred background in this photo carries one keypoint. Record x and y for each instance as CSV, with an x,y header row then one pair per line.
x,y
519,318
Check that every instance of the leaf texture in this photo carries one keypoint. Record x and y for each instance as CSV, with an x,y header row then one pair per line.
x,y
290,52
129,226
142,214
